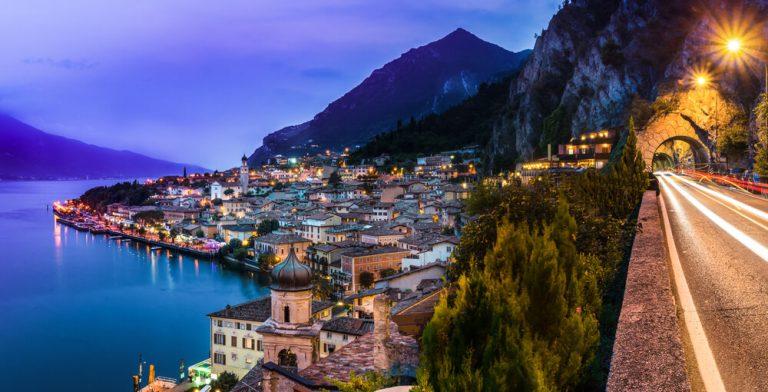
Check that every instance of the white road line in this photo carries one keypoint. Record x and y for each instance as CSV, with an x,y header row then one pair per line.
x,y
736,203
705,360
749,242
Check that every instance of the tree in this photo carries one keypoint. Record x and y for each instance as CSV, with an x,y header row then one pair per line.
x,y
235,243
240,253
199,234
334,179
150,217
367,382
174,232
217,202
142,231
162,234
524,319
267,226
266,261
761,154
366,279
225,382
387,272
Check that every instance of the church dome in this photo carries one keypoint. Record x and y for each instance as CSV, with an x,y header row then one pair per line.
x,y
291,275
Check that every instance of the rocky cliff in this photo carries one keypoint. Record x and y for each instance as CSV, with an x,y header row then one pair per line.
x,y
601,61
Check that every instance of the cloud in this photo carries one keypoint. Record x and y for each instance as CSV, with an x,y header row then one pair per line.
x,y
62,63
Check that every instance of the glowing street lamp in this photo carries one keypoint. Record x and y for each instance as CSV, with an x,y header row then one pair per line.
x,y
702,80
733,45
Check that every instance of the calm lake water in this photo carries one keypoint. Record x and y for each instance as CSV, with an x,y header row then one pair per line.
x,y
78,308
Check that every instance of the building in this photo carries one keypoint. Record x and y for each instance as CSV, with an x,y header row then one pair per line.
x,y
371,260
341,331
316,227
236,345
240,231
412,279
174,215
381,236
280,243
217,192
427,248
244,176
591,149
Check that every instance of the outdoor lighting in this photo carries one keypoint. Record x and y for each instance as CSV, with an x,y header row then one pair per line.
x,y
702,80
733,45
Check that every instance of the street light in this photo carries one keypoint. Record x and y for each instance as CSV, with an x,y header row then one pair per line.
x,y
733,45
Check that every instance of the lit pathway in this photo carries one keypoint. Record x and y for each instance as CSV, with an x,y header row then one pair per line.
x,y
721,239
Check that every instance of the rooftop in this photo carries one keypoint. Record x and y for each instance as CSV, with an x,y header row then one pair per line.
x,y
277,238
349,326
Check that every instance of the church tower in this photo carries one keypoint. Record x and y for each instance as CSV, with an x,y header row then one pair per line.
x,y
289,335
244,176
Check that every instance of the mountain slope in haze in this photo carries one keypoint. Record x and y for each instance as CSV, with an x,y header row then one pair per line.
x,y
29,153
425,80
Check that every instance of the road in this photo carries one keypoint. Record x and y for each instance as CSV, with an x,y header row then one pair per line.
x,y
721,236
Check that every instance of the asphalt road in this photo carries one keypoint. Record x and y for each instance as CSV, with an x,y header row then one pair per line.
x,y
721,235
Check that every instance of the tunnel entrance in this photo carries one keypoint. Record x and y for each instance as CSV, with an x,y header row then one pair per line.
x,y
679,152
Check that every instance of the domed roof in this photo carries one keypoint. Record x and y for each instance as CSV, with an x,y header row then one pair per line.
x,y
291,275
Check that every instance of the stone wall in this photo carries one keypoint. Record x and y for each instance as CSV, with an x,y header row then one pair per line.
x,y
648,351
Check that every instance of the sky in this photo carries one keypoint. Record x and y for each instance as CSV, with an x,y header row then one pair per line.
x,y
201,81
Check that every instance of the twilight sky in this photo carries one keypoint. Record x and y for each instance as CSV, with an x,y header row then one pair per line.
x,y
202,81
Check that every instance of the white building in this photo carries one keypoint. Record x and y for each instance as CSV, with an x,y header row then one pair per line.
x,y
315,227
427,249
217,192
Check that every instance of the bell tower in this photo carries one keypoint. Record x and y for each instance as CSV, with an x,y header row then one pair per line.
x,y
244,176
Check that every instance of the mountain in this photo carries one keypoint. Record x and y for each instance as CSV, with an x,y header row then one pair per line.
x,y
425,80
29,153
600,62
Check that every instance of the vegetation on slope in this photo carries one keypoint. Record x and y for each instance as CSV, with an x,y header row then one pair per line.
x,y
534,297
469,123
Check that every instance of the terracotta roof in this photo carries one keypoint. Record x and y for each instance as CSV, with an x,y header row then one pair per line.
x,y
358,357
257,310
348,325
260,309
281,238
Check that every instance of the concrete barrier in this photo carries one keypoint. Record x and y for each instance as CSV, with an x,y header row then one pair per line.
x,y
648,351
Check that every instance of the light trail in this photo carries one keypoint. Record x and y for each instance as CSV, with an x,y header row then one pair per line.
x,y
726,198
749,242
702,352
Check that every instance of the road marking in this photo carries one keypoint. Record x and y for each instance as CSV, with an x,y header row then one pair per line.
x,y
722,196
705,360
749,242
734,209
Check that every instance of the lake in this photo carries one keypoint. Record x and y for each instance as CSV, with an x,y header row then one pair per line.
x,y
77,308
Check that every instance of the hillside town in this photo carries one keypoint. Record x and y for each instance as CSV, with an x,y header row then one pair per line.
x,y
357,256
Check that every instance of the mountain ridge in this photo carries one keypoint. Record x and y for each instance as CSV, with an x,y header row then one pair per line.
x,y
28,153
421,81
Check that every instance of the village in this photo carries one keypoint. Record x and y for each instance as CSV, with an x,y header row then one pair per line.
x,y
337,238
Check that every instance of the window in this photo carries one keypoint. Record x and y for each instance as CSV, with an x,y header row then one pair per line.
x,y
287,358
331,348
248,326
234,341
325,347
249,343
219,338
344,337
328,335
219,359
286,314
219,323
258,345
237,325
359,301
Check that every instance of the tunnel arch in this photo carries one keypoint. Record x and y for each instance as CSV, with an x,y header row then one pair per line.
x,y
671,128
